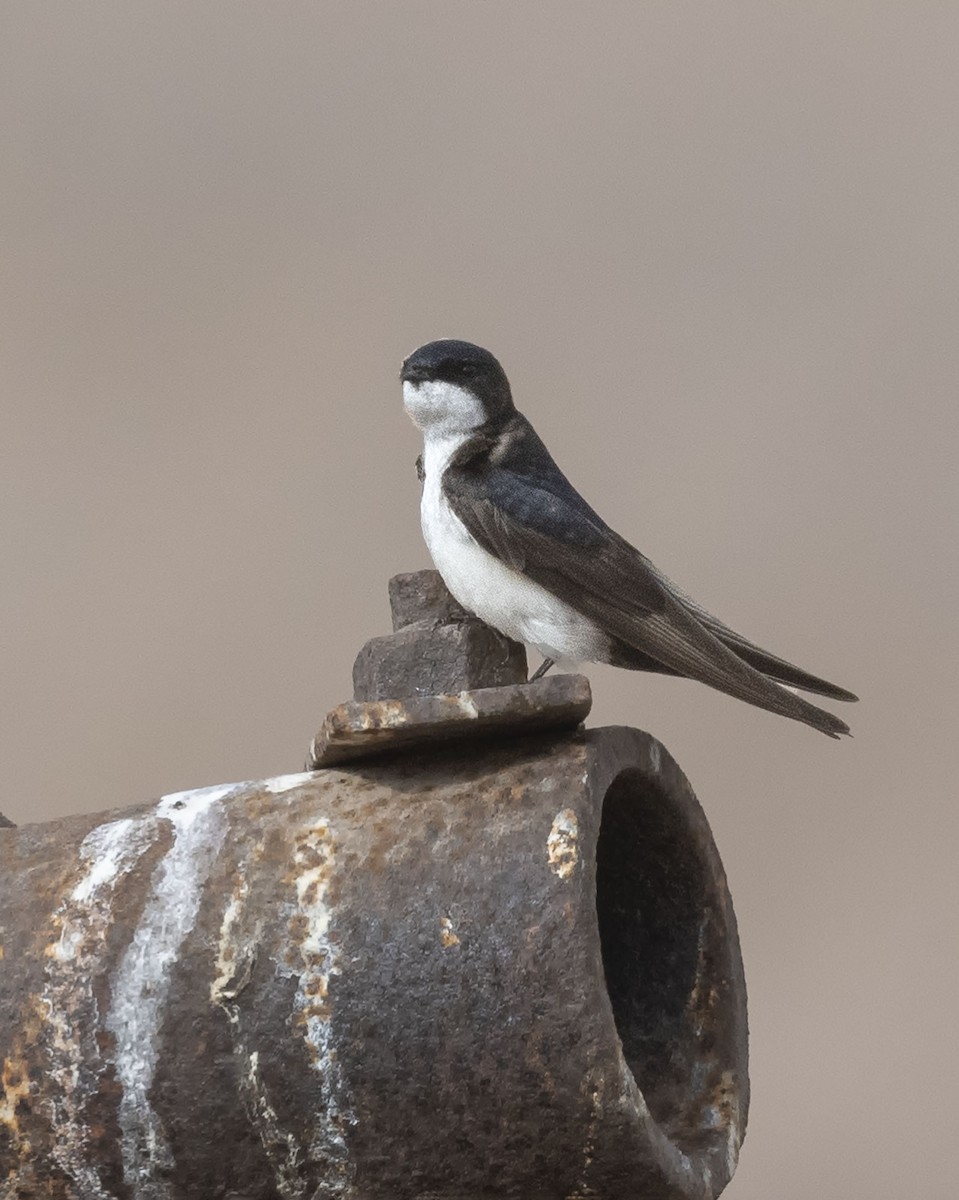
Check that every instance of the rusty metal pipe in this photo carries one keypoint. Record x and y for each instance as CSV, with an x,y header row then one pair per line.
x,y
511,972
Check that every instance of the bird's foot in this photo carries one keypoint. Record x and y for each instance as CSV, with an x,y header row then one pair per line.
x,y
541,670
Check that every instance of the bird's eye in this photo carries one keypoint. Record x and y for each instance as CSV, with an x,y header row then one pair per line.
x,y
468,370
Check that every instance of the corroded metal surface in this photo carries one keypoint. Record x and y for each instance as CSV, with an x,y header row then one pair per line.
x,y
435,648
419,595
356,730
441,675
507,971
428,660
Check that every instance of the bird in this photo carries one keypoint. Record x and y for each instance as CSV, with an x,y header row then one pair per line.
x,y
520,548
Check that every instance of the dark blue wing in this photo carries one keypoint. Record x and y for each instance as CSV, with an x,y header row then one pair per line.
x,y
519,506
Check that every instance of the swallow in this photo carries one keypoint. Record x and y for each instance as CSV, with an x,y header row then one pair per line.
x,y
519,547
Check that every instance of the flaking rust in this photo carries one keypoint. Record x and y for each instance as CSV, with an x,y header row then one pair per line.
x,y
497,966
358,730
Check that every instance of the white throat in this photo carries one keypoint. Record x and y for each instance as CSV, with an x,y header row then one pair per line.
x,y
442,410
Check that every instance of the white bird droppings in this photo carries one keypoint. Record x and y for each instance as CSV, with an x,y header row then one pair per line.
x,y
108,852
314,859
111,850
235,960
286,783
142,979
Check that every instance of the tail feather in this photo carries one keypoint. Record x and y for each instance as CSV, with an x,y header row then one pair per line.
x,y
779,669
776,668
740,678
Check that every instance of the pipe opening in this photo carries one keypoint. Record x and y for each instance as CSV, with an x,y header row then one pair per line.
x,y
663,942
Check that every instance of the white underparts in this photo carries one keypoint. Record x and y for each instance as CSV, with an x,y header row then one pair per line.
x,y
500,595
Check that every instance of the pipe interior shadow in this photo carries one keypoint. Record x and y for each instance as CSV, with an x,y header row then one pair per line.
x,y
655,905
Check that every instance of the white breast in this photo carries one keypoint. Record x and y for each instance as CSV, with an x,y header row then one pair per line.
x,y
502,597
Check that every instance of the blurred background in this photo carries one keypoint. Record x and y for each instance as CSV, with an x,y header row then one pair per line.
x,y
715,248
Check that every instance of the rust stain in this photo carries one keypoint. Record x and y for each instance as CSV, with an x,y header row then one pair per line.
x,y
704,995
448,937
15,1079
16,1087
318,985
726,1098
236,950
594,1088
302,1017
375,715
562,850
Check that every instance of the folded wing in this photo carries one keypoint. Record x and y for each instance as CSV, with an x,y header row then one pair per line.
x,y
529,516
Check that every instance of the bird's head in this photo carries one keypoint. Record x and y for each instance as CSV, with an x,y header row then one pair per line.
x,y
451,387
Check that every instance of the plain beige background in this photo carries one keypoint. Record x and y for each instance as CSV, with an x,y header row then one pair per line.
x,y
715,247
